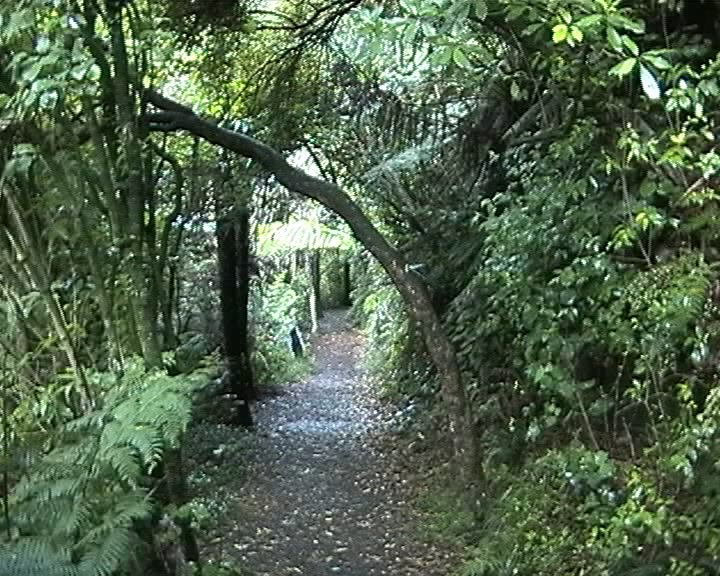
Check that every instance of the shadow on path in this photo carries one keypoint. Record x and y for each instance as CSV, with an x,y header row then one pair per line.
x,y
321,495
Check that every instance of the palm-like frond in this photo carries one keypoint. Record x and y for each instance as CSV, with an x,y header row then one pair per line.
x,y
35,557
279,237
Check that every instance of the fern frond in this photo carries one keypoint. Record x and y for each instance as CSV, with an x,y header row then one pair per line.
x,y
109,554
74,519
148,442
284,237
34,557
123,460
91,421
86,489
128,509
38,514
43,490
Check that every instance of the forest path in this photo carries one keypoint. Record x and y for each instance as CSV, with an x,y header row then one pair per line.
x,y
324,492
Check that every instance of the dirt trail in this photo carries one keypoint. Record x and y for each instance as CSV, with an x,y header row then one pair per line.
x,y
323,493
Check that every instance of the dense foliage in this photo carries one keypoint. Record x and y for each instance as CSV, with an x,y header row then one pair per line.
x,y
547,167
582,295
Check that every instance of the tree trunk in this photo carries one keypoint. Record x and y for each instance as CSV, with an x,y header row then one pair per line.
x,y
243,295
232,324
347,286
134,196
410,285
312,295
169,338
315,280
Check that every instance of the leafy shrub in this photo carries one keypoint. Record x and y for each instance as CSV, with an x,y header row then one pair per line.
x,y
276,310
396,353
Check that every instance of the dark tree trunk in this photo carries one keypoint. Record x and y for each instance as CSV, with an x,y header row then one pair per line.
x,y
347,286
315,279
232,319
243,295
169,335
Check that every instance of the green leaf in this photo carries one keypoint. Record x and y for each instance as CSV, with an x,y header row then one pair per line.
x,y
631,45
42,45
588,21
32,73
614,38
410,32
636,26
623,68
576,33
560,32
642,220
481,9
460,59
445,55
649,83
657,61
375,46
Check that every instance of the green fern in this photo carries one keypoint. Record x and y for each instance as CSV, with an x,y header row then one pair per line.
x,y
114,551
91,489
283,237
33,557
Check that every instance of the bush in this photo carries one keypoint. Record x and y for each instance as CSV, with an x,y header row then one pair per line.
x,y
275,312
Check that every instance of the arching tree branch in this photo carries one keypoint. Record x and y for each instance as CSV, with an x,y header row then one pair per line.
x,y
175,117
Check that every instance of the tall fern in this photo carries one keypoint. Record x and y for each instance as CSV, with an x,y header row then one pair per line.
x,y
83,499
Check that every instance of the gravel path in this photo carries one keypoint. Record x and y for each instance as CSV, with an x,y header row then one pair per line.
x,y
324,492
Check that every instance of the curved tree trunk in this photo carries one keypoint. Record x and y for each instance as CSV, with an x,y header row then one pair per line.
x,y
175,117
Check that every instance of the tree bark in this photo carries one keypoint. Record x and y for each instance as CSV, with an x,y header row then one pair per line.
x,y
243,295
315,279
175,117
231,317
347,286
312,295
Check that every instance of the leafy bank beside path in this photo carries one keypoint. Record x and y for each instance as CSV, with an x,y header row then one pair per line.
x,y
324,492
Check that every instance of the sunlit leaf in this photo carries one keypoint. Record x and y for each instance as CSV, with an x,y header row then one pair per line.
x,y
649,83
410,32
623,68
460,59
631,45
481,9
588,21
614,38
560,32
657,61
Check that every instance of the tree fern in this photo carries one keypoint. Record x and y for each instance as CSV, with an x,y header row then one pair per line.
x,y
279,237
75,519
